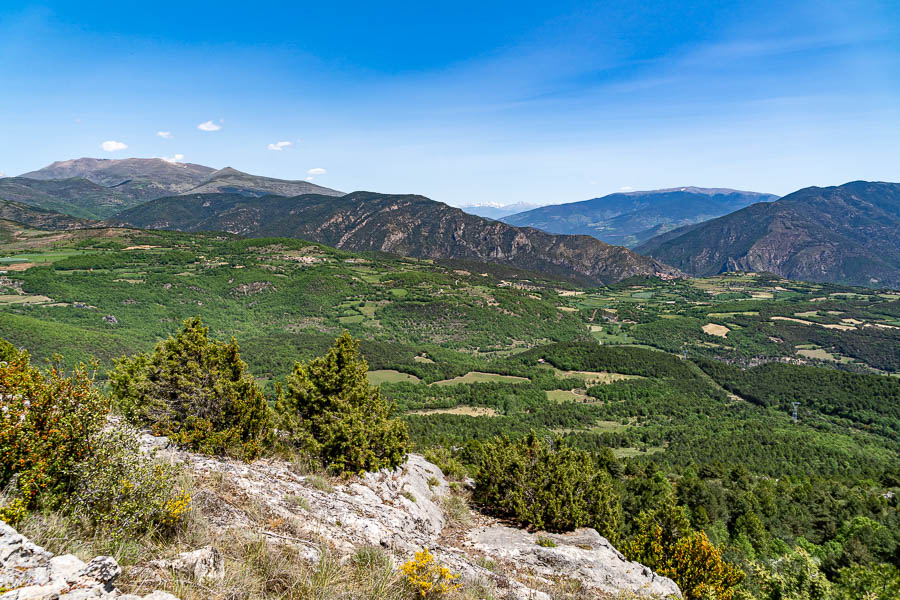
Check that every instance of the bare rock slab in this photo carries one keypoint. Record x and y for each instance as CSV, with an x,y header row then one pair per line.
x,y
583,555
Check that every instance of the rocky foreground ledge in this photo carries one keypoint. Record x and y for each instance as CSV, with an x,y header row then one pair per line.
x,y
403,511
400,511
28,572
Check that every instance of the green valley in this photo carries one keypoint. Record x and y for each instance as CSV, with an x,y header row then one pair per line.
x,y
681,387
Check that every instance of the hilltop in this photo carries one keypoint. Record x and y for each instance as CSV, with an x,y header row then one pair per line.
x,y
39,218
94,188
232,181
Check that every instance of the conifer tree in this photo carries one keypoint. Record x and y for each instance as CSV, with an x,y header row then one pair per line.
x,y
197,391
547,485
330,407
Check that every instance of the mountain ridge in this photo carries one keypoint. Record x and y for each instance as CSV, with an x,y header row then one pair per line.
x,y
230,180
407,225
629,218
838,234
97,188
39,218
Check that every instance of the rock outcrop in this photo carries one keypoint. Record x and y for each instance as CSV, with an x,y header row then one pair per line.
x,y
582,555
402,512
28,572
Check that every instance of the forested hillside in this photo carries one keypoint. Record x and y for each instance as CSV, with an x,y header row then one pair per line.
x,y
407,225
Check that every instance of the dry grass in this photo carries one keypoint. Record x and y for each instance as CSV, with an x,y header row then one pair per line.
x,y
469,411
479,377
268,556
717,330
257,566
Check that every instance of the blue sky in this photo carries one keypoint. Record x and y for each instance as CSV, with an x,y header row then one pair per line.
x,y
464,102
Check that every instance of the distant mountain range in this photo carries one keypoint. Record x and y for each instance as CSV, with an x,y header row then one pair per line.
x,y
401,224
846,234
631,218
98,188
495,210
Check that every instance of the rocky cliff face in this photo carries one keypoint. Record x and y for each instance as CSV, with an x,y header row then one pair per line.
x,y
400,512
400,224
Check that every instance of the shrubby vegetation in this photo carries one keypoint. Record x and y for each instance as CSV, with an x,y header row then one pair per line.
x,y
48,425
666,543
546,485
809,509
55,455
121,493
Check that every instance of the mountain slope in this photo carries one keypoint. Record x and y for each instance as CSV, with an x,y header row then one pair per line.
x,y
74,196
633,217
39,218
401,224
844,234
232,181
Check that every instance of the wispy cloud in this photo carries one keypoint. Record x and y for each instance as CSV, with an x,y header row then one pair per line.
x,y
317,171
626,188
279,146
173,159
113,146
166,135
209,126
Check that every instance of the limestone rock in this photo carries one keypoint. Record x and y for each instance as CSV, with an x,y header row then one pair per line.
x,y
203,564
28,572
401,511
583,555
104,569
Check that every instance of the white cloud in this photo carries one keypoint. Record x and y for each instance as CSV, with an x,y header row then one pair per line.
x,y
626,188
309,178
166,135
279,145
209,126
173,159
2,174
316,171
113,146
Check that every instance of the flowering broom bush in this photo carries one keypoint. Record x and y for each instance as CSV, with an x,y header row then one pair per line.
x,y
427,578
122,491
47,426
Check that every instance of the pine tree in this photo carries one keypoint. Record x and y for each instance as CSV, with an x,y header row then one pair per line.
x,y
330,407
546,485
195,390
